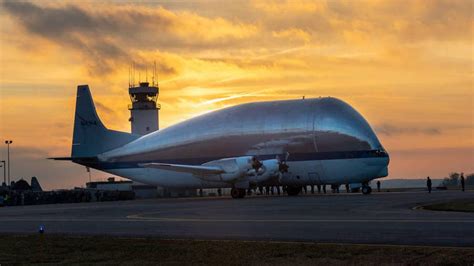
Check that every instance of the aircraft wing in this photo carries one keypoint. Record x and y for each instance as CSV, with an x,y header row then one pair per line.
x,y
192,169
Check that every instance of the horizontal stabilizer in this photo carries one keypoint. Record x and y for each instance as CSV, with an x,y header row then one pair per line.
x,y
84,159
192,169
60,158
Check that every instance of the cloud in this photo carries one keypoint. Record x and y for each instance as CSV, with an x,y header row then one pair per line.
x,y
293,34
434,162
67,27
406,63
372,21
389,130
107,36
103,108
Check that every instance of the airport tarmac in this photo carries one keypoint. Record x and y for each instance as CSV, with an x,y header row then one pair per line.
x,y
380,218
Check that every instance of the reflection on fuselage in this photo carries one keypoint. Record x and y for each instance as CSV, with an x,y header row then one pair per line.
x,y
260,129
324,136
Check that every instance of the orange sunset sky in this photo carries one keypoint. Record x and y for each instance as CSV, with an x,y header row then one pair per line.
x,y
407,66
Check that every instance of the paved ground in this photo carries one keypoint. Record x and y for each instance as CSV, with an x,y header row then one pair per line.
x,y
381,218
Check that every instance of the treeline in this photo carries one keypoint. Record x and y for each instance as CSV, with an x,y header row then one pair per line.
x,y
454,179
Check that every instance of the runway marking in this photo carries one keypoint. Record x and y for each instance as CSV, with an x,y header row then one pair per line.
x,y
140,217
136,218
305,242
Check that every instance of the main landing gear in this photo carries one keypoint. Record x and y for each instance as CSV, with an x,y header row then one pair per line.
x,y
237,193
293,191
366,189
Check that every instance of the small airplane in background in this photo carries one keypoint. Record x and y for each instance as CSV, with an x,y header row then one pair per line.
x,y
289,143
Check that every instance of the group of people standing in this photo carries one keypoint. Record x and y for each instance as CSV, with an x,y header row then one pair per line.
x,y
429,183
271,190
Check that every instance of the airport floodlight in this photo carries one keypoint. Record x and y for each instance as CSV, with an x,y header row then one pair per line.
x,y
8,142
4,171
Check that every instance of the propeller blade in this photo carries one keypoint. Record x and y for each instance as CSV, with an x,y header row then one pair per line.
x,y
283,167
256,164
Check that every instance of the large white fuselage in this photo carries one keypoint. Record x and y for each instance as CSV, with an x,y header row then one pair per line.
x,y
326,142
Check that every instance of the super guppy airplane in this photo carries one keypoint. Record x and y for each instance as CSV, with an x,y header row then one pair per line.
x,y
291,143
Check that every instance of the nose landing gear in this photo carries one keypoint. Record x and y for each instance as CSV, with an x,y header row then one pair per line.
x,y
366,189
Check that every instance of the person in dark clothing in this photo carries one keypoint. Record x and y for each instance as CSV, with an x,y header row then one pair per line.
x,y
463,184
378,185
347,188
278,190
312,189
428,184
260,190
324,189
305,189
319,188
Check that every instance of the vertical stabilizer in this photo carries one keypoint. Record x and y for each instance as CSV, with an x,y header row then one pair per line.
x,y
90,136
35,185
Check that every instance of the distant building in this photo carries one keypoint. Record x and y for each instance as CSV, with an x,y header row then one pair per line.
x,y
141,191
110,184
21,185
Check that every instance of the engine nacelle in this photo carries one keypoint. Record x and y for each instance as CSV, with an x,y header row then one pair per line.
x,y
269,169
234,168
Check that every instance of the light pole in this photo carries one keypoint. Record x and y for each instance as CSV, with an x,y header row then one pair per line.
x,y
4,172
8,142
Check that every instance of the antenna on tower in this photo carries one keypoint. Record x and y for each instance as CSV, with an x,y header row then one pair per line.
x,y
133,74
156,75
130,75
153,77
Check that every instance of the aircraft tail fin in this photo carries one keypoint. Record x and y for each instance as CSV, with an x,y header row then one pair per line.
x,y
90,136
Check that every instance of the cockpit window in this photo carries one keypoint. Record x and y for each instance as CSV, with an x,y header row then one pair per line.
x,y
339,127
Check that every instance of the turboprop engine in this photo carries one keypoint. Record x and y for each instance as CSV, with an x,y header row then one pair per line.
x,y
233,168
240,171
268,169
246,168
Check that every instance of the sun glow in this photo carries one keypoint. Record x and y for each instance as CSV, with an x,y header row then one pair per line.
x,y
407,67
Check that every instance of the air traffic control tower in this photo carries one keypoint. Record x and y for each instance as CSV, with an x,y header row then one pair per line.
x,y
144,108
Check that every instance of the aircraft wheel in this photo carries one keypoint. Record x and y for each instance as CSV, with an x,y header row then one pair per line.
x,y
366,190
234,192
293,191
237,193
